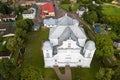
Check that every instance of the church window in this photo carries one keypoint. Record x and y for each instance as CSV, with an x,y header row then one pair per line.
x,y
79,60
47,55
69,45
55,60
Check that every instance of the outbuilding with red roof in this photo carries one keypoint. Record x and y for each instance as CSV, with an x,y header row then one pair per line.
x,y
48,10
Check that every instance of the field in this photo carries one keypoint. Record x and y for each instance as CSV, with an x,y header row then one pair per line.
x,y
33,56
111,10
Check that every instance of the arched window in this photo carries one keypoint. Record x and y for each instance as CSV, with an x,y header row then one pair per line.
x,y
47,55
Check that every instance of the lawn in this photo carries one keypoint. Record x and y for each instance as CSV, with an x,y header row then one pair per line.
x,y
66,6
111,11
33,56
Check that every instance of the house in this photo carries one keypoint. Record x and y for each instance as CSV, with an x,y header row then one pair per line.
x,y
8,17
48,10
0,18
31,2
5,55
73,1
35,27
50,22
116,43
7,29
81,10
4,1
67,45
26,2
42,2
29,14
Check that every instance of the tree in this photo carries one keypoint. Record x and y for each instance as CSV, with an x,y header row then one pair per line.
x,y
5,9
21,33
70,9
30,24
117,73
6,66
30,73
65,1
90,17
104,74
25,24
14,44
22,24
104,46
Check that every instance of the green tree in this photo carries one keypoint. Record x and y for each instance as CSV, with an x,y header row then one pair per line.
x,y
5,9
25,24
117,73
90,17
30,24
22,24
21,33
104,74
6,66
104,46
14,44
30,73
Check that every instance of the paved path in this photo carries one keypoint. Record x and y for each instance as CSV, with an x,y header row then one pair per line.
x,y
111,5
66,76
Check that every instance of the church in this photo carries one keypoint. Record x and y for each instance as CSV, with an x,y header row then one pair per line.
x,y
68,45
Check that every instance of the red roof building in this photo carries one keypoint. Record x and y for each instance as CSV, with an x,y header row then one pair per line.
x,y
8,17
48,10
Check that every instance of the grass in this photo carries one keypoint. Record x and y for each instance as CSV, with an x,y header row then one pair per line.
x,y
33,56
66,6
111,11
86,73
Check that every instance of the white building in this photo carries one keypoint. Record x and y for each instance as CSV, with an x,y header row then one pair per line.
x,y
80,11
29,14
67,45
8,17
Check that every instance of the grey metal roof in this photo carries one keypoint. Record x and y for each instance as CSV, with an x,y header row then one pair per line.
x,y
66,20
58,31
50,21
90,45
8,26
47,45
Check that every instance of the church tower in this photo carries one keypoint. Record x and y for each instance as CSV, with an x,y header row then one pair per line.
x,y
89,49
47,50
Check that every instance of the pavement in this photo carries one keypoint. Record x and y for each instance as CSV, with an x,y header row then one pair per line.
x,y
66,76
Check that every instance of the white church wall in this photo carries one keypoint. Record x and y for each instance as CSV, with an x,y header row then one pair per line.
x,y
47,53
81,42
54,41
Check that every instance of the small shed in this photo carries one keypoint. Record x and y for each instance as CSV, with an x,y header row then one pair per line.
x,y
97,29
36,27
116,43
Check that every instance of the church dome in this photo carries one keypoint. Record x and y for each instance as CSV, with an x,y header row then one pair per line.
x,y
90,45
47,45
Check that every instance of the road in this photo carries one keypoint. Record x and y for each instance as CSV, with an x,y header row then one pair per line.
x,y
38,19
60,12
111,5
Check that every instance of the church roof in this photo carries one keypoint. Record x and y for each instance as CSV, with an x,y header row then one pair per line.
x,y
58,31
90,45
47,45
66,20
50,21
